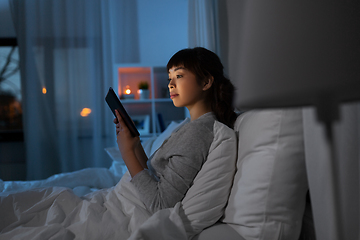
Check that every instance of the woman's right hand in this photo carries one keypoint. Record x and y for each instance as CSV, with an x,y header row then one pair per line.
x,y
126,142
127,145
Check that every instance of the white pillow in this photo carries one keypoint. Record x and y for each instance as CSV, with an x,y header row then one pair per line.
x,y
267,199
205,201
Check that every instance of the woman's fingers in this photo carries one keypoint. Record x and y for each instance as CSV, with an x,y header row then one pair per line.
x,y
120,125
118,117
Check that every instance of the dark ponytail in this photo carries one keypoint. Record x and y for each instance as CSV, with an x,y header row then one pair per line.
x,y
222,104
205,64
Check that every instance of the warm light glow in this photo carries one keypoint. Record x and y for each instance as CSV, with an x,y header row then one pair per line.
x,y
44,90
85,112
127,90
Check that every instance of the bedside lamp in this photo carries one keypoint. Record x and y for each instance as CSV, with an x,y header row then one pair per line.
x,y
301,53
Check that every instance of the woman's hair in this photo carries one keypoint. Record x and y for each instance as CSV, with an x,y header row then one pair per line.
x,y
206,64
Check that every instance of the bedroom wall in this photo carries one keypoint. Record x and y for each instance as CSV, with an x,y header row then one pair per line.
x,y
163,30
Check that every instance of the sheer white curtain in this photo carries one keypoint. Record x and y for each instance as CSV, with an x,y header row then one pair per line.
x,y
67,51
208,27
203,24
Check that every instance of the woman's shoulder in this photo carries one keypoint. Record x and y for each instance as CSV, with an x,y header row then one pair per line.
x,y
203,125
194,137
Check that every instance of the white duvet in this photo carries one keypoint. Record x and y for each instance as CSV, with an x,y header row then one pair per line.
x,y
57,213
115,212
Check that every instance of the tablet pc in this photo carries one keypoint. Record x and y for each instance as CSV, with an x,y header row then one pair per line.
x,y
114,103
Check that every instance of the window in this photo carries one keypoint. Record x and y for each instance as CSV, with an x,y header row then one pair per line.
x,y
10,91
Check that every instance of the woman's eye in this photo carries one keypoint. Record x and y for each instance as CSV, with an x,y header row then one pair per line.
x,y
178,76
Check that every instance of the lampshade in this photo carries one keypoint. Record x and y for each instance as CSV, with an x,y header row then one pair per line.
x,y
295,53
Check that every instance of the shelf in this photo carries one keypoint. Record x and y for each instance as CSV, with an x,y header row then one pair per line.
x,y
163,100
125,101
158,107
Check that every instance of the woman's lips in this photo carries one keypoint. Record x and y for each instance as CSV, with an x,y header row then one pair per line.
x,y
172,95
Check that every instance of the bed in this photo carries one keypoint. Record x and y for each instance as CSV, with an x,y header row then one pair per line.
x,y
252,188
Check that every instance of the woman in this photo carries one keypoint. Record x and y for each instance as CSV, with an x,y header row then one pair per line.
x,y
197,82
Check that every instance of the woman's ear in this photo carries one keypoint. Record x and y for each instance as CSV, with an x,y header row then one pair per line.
x,y
208,83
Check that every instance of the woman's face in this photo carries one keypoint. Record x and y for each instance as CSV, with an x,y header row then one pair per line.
x,y
185,91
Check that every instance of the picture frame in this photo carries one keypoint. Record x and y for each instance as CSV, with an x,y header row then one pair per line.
x,y
142,123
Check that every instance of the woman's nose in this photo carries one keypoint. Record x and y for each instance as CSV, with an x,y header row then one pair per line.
x,y
171,84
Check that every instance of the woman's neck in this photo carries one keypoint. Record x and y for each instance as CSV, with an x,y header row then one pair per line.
x,y
195,113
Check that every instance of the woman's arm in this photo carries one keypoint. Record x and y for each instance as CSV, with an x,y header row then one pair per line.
x,y
130,147
141,155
